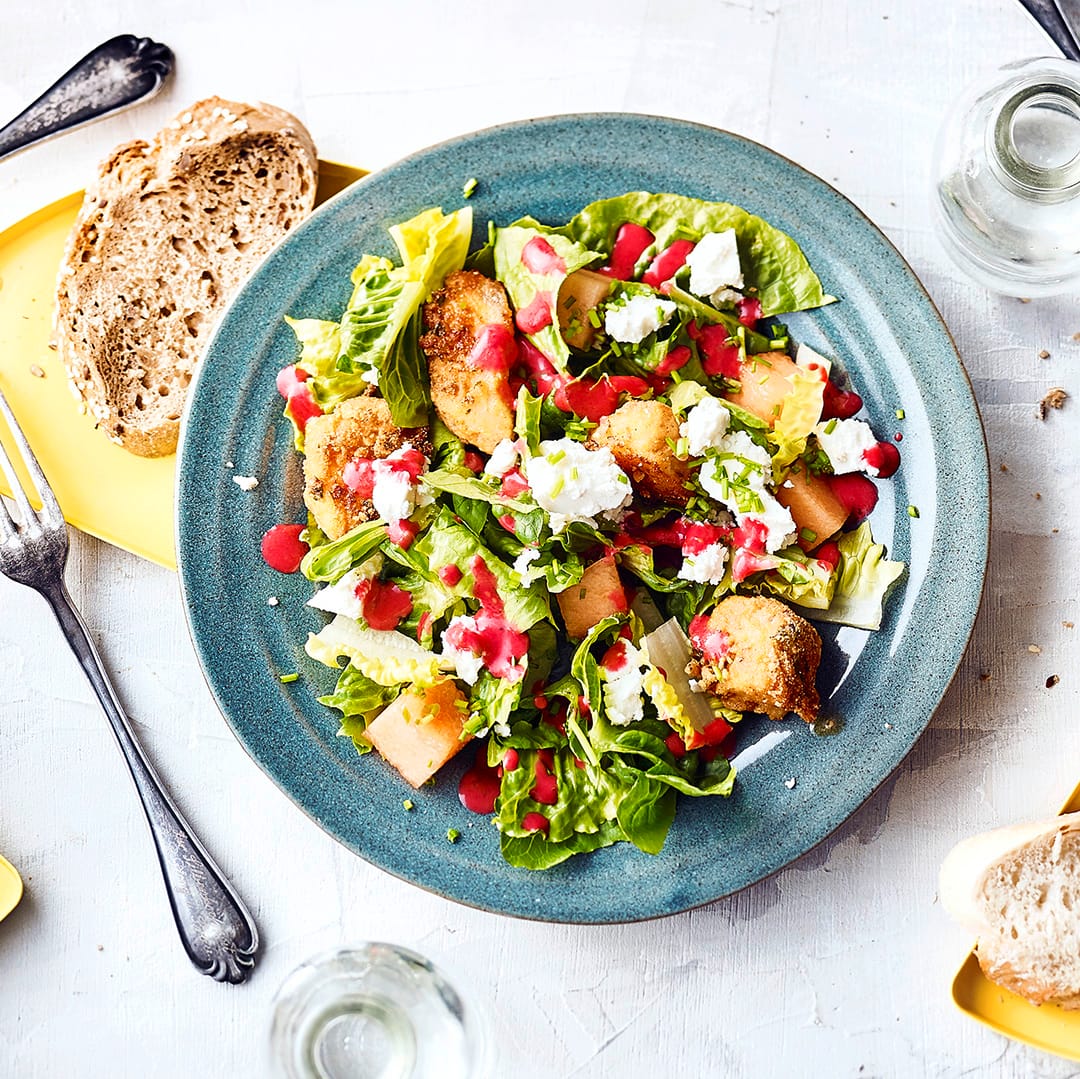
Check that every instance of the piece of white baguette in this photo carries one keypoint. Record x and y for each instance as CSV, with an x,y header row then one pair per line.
x,y
1017,890
164,238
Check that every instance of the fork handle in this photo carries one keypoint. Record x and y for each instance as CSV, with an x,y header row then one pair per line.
x,y
215,927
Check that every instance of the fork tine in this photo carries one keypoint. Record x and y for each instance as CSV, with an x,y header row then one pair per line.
x,y
49,505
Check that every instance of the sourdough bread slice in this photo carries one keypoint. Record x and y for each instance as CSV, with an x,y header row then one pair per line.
x,y
1017,889
163,240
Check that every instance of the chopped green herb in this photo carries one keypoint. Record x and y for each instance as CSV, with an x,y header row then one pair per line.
x,y
408,805
469,187
452,835
594,318
286,678
913,511
899,413
830,426
807,534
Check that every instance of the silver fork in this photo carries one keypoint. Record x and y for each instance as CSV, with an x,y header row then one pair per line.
x,y
215,927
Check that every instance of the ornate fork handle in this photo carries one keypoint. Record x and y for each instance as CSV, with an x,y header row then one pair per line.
x,y
121,72
217,931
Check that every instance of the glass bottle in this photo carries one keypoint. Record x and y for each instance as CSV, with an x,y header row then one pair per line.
x,y
1007,179
376,1011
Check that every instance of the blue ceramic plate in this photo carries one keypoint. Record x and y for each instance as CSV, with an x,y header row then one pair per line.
x,y
882,687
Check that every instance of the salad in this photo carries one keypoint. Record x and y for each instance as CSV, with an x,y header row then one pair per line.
x,y
574,498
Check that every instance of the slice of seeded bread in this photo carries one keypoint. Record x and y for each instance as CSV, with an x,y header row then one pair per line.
x,y
1017,889
163,240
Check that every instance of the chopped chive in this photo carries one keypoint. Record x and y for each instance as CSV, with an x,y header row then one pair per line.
x,y
452,835
469,187
899,413
557,486
807,534
556,457
286,678
615,348
830,426
408,805
913,511
594,318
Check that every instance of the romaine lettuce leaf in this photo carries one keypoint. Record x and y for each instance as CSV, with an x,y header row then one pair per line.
x,y
774,268
526,287
332,560
379,329
382,655
320,345
863,579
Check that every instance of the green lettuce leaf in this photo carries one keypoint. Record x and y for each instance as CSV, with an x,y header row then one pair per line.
x,y
320,345
524,286
863,579
380,327
774,267
330,561
448,543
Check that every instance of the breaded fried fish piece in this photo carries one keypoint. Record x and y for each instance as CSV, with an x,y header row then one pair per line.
x,y
756,655
473,401
358,428
640,435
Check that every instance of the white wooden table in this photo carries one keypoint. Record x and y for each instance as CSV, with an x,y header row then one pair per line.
x,y
838,966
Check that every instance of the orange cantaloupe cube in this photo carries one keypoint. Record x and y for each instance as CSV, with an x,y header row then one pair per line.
x,y
816,511
598,594
421,730
764,382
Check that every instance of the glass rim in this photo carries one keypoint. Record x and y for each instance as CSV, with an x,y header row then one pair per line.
x,y
1048,183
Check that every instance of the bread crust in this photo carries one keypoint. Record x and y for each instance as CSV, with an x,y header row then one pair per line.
x,y
164,238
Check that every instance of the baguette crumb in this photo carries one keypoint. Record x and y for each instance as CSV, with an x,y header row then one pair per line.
x,y
36,371
246,483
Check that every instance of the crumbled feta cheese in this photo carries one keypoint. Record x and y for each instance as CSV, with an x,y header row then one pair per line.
x,y
503,458
634,320
740,461
780,528
340,597
705,425
790,783
844,443
272,601
521,564
737,477
706,566
576,484
714,265
467,664
246,483
393,495
623,702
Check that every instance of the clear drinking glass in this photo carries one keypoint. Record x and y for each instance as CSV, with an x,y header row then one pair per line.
x,y
376,1011
1007,179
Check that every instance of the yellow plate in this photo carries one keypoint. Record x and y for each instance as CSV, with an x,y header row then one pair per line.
x,y
11,887
1046,1027
102,489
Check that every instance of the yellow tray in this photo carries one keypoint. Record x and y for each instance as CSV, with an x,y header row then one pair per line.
x,y
1046,1027
102,489
11,888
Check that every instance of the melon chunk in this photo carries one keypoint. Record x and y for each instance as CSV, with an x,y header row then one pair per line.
x,y
582,292
816,511
598,594
764,382
421,730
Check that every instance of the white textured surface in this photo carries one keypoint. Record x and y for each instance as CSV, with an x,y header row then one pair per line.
x,y
839,966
